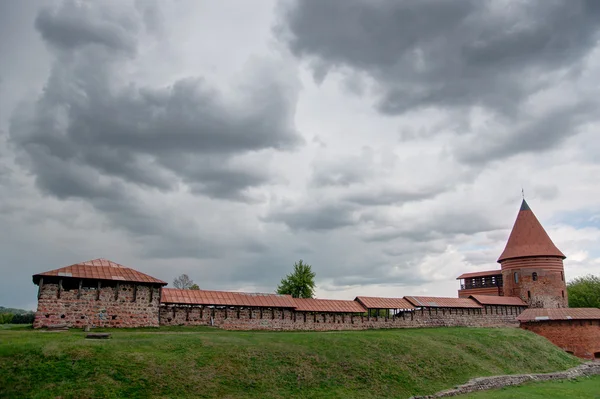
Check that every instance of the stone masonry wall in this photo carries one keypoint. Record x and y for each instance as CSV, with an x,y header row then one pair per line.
x,y
278,319
108,309
580,337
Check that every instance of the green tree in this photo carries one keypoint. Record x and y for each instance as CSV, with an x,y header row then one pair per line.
x,y
194,287
584,292
300,283
6,318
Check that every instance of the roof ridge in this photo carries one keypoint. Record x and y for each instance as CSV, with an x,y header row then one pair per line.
x,y
100,269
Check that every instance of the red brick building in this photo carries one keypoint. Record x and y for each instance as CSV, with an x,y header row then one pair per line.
x,y
575,330
531,267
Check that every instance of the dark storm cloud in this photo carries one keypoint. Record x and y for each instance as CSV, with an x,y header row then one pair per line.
x,y
86,128
225,181
455,54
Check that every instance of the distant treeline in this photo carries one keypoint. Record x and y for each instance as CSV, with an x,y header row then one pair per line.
x,y
16,316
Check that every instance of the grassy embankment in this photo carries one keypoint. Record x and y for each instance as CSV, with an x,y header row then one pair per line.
x,y
205,363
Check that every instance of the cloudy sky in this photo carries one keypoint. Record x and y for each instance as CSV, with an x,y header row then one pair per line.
x,y
384,142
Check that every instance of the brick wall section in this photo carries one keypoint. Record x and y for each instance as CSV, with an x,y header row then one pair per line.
x,y
95,310
277,319
581,337
549,291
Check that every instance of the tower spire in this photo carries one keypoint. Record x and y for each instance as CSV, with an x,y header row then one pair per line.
x,y
528,238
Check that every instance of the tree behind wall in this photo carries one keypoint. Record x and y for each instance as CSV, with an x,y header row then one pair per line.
x,y
584,292
184,282
300,283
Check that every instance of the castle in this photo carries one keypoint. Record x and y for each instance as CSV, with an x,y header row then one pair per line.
x,y
102,293
531,267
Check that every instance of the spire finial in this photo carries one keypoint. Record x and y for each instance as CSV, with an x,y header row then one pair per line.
x,y
522,192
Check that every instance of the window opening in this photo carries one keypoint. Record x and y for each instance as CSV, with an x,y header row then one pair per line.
x,y
534,276
516,277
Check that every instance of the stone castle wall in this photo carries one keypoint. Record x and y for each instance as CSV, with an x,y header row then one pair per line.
x,y
278,319
122,305
137,305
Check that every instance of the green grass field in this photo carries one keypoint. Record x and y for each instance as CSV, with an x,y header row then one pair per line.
x,y
582,388
190,362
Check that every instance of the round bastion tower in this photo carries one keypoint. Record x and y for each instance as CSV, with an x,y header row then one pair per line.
x,y
532,266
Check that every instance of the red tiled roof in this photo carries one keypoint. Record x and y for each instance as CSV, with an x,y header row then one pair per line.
x,y
498,300
559,314
480,274
384,303
100,269
327,305
226,298
437,302
528,238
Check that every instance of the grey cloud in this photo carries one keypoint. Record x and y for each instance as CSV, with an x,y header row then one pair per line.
x,y
228,182
436,52
436,225
343,171
482,257
390,196
76,24
533,135
546,192
315,217
217,176
407,279
407,247
92,137
456,55
340,176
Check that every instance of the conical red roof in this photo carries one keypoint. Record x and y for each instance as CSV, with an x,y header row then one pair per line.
x,y
528,238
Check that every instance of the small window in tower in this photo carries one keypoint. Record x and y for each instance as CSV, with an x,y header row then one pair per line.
x,y
529,294
562,276
563,293
516,277
534,276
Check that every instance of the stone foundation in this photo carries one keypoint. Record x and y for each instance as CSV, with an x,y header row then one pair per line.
x,y
486,383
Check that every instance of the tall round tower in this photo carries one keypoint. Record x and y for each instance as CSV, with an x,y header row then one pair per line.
x,y
532,266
